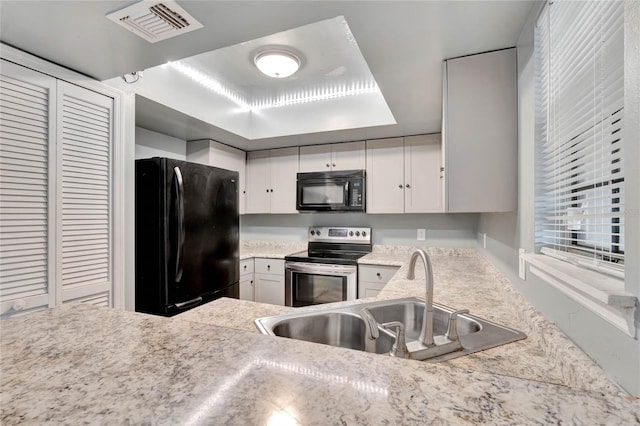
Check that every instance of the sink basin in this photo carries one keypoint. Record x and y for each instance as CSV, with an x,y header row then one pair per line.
x,y
336,328
348,327
475,334
410,312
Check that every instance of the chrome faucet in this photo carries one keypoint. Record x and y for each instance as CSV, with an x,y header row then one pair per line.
x,y
426,333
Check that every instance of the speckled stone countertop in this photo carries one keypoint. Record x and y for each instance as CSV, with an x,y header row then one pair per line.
x,y
82,364
464,279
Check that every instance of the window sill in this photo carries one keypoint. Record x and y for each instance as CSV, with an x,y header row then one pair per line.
x,y
603,295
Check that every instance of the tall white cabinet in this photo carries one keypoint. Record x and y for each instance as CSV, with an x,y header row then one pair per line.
x,y
403,175
56,218
271,181
480,115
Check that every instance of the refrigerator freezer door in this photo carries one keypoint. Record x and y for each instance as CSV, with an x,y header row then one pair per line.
x,y
204,244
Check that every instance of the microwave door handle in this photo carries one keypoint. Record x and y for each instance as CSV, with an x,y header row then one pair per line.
x,y
347,201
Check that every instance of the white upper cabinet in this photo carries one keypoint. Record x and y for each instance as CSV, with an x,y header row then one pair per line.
x,y
480,132
385,175
403,175
338,156
212,153
422,183
271,181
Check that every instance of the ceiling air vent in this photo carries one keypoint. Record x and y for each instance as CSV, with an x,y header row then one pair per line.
x,y
155,20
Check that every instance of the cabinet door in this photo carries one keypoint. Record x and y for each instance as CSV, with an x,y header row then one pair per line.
x,y
269,289
481,132
385,176
258,182
247,287
315,158
348,156
284,170
212,153
369,289
423,186
27,218
84,222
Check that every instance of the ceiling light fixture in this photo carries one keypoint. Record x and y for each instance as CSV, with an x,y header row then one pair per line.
x,y
277,63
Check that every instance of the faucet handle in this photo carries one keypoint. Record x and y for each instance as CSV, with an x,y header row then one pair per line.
x,y
399,348
452,326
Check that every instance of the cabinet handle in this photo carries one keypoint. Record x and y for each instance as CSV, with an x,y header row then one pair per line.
x,y
268,266
333,165
378,275
408,186
400,186
244,192
272,190
245,267
328,165
267,190
251,283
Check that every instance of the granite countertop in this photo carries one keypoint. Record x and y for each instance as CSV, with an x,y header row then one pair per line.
x,y
84,364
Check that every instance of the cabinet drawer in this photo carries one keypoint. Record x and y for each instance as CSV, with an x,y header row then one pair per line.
x,y
246,266
269,266
376,274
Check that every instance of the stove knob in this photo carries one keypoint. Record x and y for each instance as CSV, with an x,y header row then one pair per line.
x,y
357,233
364,233
351,233
318,232
313,232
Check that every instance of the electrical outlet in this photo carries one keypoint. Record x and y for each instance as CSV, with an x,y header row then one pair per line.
x,y
522,267
422,234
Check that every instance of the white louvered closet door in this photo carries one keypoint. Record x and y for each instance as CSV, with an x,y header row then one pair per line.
x,y
84,222
27,125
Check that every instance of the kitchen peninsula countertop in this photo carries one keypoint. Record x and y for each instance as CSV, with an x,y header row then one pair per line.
x,y
78,363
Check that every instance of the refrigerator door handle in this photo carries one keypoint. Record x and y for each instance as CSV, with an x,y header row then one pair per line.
x,y
180,225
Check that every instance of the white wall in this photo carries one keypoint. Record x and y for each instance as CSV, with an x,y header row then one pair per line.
x,y
617,353
153,144
442,230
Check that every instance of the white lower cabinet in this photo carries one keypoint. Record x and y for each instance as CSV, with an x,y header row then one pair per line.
x,y
269,281
247,280
372,279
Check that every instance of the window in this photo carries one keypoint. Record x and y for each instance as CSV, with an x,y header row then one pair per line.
x,y
579,122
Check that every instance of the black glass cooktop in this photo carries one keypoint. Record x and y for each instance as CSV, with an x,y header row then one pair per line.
x,y
338,255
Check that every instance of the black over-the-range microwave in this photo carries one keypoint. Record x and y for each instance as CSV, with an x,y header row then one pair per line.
x,y
339,191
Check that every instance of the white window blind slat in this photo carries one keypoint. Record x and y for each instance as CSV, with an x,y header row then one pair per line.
x,y
579,121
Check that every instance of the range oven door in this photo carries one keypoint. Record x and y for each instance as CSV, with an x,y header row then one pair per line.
x,y
313,283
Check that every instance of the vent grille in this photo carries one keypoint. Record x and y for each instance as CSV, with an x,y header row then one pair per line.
x,y
155,21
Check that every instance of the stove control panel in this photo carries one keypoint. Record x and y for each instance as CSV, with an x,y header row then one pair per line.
x,y
339,234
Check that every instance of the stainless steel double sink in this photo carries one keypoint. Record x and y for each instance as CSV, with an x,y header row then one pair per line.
x,y
351,327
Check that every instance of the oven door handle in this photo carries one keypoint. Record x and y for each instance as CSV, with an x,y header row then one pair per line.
x,y
321,269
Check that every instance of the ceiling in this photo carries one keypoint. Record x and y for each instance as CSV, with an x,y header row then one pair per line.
x,y
403,44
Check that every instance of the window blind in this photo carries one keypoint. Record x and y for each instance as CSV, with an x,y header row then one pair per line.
x,y
579,50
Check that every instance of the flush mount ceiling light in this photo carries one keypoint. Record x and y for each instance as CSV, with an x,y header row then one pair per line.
x,y
277,63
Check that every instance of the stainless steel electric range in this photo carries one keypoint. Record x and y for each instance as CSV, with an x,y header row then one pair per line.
x,y
328,270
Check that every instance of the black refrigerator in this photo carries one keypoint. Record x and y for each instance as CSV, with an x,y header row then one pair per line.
x,y
187,235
